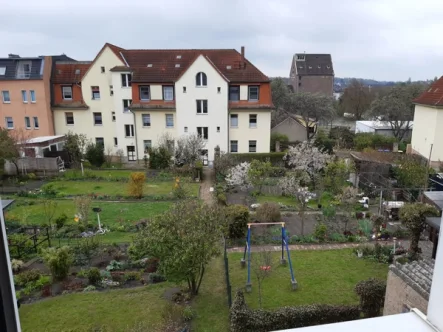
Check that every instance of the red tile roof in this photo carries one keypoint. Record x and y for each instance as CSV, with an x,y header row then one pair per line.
x,y
163,65
117,51
433,96
66,73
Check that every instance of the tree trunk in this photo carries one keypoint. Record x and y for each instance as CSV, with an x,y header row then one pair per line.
x,y
202,272
259,292
414,247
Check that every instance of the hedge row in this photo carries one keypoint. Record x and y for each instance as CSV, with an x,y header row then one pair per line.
x,y
244,319
276,158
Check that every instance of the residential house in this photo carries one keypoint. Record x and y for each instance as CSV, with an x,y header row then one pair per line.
x,y
427,136
382,128
295,128
129,99
25,95
313,73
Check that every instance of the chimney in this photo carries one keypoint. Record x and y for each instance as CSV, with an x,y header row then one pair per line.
x,y
13,56
243,62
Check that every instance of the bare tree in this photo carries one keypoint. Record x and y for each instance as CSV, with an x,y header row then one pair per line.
x,y
356,99
13,144
49,209
108,156
262,266
347,198
280,97
188,149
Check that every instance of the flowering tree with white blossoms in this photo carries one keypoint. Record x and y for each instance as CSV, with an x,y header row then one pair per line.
x,y
238,176
306,157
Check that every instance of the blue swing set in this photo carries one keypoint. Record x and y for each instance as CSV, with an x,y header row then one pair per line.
x,y
284,245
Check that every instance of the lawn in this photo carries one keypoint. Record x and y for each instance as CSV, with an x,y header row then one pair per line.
x,y
110,311
323,277
113,213
105,174
118,188
326,277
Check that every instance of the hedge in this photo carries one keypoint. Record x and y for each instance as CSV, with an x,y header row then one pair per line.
x,y
244,319
276,158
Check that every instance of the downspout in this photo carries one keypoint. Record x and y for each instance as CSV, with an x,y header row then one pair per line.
x,y
135,134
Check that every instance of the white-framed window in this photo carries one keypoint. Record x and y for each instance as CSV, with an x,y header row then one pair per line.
x,y
28,122
234,146
252,146
113,116
126,104
69,116
100,140
9,122
145,92
129,130
2,71
234,120
253,92
252,120
126,80
168,93
98,120
36,124
95,92
203,132
169,120
24,96
115,141
24,69
202,107
67,92
6,96
147,144
201,79
234,92
146,119
32,93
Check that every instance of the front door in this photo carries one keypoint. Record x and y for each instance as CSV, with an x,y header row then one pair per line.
x,y
204,157
131,153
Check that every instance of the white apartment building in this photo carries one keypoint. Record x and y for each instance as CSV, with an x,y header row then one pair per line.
x,y
129,99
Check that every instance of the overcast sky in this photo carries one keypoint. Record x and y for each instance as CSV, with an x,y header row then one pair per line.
x,y
379,39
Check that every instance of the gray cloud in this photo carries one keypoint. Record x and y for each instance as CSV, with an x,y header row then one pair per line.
x,y
390,40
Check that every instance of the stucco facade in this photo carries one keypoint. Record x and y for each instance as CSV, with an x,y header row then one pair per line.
x,y
428,124
29,104
291,128
244,133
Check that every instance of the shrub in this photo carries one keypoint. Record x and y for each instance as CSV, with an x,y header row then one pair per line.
x,y
16,265
320,232
159,158
114,266
95,154
221,199
132,276
188,313
58,260
238,218
136,183
244,319
82,204
48,190
268,212
26,277
277,137
89,288
85,249
94,276
373,141
179,191
276,158
154,278
61,220
372,296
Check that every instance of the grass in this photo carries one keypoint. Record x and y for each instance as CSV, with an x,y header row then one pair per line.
x,y
117,188
110,311
325,277
105,174
113,213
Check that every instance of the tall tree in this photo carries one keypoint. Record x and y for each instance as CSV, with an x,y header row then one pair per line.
x,y
188,149
356,99
397,108
312,108
12,144
184,239
75,146
280,95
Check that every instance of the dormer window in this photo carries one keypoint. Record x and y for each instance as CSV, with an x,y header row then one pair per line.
x,y
300,57
201,79
77,72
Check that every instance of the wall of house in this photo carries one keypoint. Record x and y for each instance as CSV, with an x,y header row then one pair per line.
x,y
217,105
155,131
122,118
362,128
437,149
291,128
105,105
313,84
243,134
18,110
425,132
399,294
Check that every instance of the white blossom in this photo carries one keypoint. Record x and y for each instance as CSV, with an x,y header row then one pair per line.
x,y
306,157
238,176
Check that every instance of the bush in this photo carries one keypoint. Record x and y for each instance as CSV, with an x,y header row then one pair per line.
x,y
82,204
58,260
95,154
136,183
94,276
85,249
238,218
132,276
244,319
221,199
16,265
372,141
89,288
320,232
48,190
343,137
372,296
61,220
155,278
277,172
277,137
159,158
26,277
188,313
268,212
276,158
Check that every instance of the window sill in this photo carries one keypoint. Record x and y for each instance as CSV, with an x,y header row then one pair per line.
x,y
253,100
233,127
129,136
33,102
202,113
145,100
6,102
11,128
28,128
70,124
169,127
95,99
98,125
252,127
146,126
68,99
36,128
252,152
201,86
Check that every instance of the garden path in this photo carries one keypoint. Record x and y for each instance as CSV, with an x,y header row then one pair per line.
x,y
205,188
